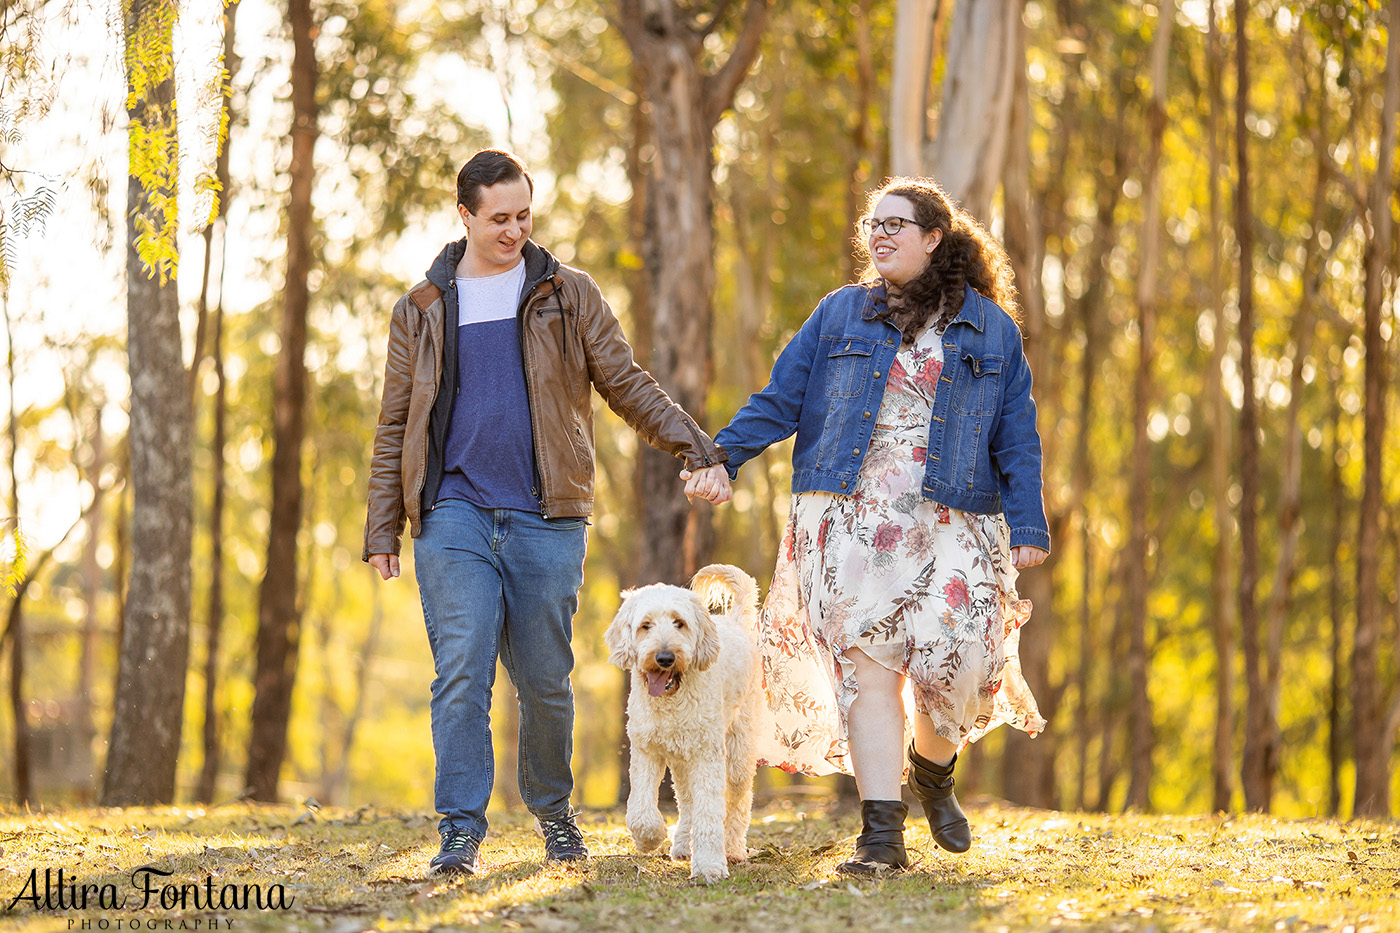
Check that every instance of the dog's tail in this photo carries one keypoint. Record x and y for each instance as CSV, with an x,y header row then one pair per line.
x,y
725,588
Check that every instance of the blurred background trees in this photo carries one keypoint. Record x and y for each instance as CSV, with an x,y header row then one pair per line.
x,y
1197,197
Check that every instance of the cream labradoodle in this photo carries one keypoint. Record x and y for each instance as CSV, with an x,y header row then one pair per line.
x,y
695,700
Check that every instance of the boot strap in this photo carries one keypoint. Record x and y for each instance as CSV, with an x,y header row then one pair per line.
x,y
881,837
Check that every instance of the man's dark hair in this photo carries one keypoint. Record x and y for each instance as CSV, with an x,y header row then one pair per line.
x,y
486,168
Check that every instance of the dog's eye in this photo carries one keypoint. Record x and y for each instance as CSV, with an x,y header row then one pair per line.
x,y
645,626
679,622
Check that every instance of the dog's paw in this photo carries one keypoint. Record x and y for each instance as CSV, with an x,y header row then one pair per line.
x,y
708,872
739,855
648,835
680,850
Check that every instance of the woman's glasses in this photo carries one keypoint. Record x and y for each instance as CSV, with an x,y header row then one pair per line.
x,y
891,225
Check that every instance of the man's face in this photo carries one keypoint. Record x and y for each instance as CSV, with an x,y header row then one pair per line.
x,y
497,232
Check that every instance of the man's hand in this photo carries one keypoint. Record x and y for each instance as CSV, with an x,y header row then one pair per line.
x,y
1027,555
711,484
386,564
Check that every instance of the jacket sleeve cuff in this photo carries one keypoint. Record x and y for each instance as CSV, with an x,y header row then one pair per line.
x,y
1032,537
713,454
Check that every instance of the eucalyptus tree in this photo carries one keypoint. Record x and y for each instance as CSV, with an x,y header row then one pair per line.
x,y
1374,729
149,703
353,76
690,61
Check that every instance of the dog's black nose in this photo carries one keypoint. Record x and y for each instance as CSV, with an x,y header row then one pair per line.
x,y
665,658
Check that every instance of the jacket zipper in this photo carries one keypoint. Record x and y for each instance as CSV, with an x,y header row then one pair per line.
x,y
423,458
530,394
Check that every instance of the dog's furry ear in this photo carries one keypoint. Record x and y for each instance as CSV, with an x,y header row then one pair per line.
x,y
622,646
706,633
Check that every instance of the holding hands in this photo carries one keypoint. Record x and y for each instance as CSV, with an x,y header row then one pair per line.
x,y
710,484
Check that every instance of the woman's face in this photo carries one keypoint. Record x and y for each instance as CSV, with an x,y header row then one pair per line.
x,y
900,257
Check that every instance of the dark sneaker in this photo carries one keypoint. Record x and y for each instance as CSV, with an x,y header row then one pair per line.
x,y
457,855
563,841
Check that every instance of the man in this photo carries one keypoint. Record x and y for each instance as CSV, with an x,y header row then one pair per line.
x,y
485,449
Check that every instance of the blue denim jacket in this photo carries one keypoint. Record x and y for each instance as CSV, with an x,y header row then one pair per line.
x,y
983,447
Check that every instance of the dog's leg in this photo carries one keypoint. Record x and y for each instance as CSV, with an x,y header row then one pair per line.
x,y
704,780
644,819
680,783
740,764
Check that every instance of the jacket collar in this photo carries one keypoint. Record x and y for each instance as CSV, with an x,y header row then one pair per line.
x,y
972,312
540,264
874,300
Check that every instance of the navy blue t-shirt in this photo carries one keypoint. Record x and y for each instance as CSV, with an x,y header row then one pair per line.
x,y
489,459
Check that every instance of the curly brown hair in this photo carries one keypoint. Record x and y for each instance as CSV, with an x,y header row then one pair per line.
x,y
967,254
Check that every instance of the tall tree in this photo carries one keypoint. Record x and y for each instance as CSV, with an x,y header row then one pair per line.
x,y
279,622
1303,327
213,749
14,629
1140,706
1028,765
967,153
1255,762
1368,719
1222,616
685,100
150,693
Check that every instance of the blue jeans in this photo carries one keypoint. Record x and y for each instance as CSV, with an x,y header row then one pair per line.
x,y
499,581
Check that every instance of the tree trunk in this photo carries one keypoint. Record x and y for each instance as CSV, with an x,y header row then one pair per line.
x,y
15,628
213,750
1222,616
1091,316
278,617
685,103
1028,765
914,48
1290,473
1253,772
93,586
148,705
858,170
1140,486
639,305
1336,746
1372,767
974,116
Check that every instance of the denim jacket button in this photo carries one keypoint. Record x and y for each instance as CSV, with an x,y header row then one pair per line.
x,y
867,414
843,484
877,374
856,452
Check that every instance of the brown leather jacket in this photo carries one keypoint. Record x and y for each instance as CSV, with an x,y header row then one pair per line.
x,y
569,339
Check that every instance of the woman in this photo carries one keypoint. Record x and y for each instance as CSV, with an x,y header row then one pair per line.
x,y
917,494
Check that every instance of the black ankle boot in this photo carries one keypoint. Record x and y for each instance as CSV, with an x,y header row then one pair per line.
x,y
880,845
933,786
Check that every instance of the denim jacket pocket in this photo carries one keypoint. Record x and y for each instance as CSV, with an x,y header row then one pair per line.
x,y
978,392
848,366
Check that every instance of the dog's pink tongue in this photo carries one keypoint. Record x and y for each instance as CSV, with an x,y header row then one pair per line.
x,y
657,681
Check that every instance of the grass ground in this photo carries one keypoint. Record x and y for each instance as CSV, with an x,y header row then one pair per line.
x,y
346,871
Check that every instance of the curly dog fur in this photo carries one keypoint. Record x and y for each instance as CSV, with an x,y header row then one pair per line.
x,y
696,690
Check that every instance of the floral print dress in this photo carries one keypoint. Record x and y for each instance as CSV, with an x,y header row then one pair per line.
x,y
925,590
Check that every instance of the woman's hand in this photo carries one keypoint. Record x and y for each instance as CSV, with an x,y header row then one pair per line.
x,y
386,564
1027,555
711,484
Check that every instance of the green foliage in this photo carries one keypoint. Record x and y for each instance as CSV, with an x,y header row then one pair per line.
x,y
16,556
153,149
24,94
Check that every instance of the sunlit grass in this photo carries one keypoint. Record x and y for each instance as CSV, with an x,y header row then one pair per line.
x,y
344,871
